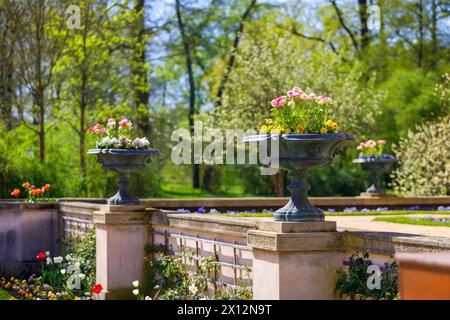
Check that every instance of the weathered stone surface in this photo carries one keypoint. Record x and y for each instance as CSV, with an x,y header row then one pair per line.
x,y
388,243
290,227
25,230
203,222
305,241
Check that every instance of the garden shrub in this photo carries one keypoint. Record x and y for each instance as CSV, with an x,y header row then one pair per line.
x,y
83,249
424,160
353,284
168,277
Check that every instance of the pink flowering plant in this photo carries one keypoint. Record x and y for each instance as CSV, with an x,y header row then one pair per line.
x,y
117,135
371,147
301,113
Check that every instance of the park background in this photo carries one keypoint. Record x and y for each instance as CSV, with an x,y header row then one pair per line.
x,y
163,64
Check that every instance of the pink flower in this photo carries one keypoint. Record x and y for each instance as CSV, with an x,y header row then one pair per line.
x,y
111,120
294,94
278,102
312,96
324,99
297,89
381,141
274,103
125,123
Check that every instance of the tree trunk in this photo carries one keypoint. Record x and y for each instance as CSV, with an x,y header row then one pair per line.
x,y
233,52
142,91
278,183
41,120
364,29
434,41
421,35
190,72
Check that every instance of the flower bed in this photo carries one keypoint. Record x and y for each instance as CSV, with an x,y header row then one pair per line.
x,y
60,278
349,211
427,221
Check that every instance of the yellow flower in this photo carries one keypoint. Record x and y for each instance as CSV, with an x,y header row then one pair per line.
x,y
291,103
264,128
331,125
277,130
324,130
269,121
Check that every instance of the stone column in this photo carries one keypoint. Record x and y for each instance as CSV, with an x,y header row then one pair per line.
x,y
295,260
122,234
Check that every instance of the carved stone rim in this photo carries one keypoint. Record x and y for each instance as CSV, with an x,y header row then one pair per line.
x,y
318,137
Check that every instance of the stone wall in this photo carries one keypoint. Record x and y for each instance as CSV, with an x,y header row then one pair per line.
x,y
25,230
270,249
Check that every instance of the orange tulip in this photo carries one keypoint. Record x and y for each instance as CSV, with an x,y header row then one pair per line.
x,y
36,192
26,185
46,187
15,193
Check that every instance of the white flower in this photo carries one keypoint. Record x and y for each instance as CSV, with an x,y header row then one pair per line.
x,y
147,298
49,260
47,253
77,264
68,257
82,276
136,292
193,289
136,284
63,271
58,260
213,211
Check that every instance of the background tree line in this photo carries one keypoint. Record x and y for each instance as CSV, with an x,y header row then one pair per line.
x,y
165,63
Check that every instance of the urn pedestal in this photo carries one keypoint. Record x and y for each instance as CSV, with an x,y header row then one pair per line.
x,y
376,165
299,153
124,162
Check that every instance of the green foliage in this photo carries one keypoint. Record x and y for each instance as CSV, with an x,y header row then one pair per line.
x,y
424,164
410,100
354,283
83,249
170,278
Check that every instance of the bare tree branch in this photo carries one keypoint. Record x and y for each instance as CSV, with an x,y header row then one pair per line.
x,y
343,24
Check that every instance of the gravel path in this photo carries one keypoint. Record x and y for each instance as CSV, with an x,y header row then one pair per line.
x,y
367,223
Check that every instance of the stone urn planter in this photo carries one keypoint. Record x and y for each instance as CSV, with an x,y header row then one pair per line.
x,y
124,162
299,153
376,165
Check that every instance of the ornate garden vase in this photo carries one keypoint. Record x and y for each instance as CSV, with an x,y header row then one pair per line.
x,y
376,165
124,162
299,153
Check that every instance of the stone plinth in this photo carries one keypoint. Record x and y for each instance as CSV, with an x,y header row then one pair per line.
x,y
295,260
122,234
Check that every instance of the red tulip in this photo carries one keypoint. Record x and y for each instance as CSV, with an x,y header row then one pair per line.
x,y
97,288
41,256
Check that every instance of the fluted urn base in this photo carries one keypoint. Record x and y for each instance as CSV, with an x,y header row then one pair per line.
x,y
299,208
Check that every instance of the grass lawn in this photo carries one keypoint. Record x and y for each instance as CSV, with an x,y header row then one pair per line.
x,y
419,221
4,295
331,214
